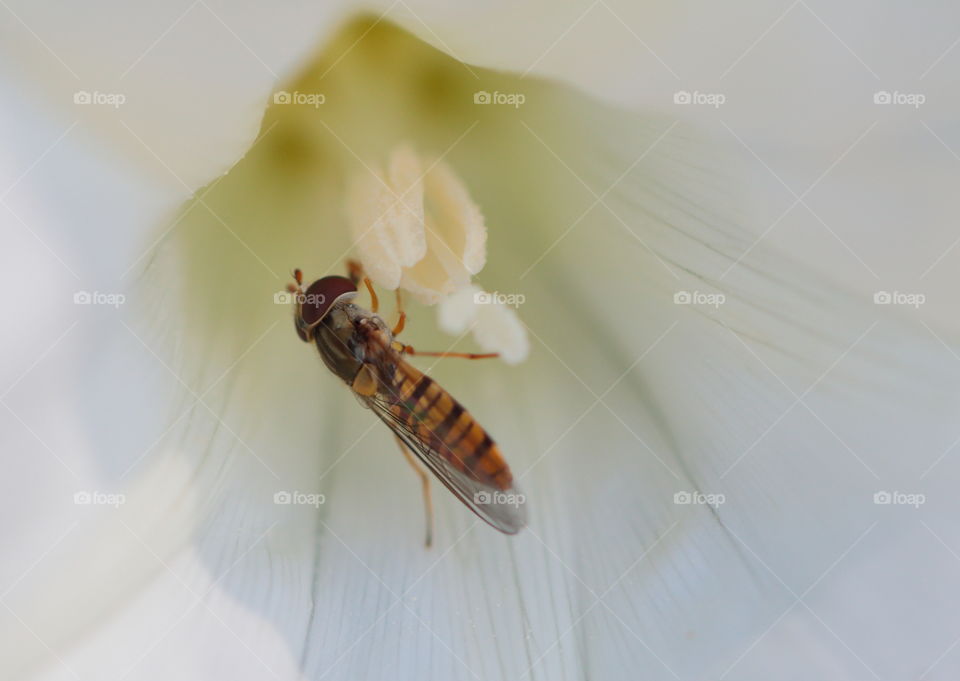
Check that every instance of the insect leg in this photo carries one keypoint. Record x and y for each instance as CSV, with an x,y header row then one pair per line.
x,y
354,271
356,274
425,480
408,350
401,321
374,301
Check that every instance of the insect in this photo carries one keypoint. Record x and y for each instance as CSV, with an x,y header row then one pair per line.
x,y
359,347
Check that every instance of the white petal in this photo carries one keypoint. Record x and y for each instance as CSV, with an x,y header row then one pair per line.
x,y
640,54
183,129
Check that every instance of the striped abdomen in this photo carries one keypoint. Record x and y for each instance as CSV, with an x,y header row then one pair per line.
x,y
442,422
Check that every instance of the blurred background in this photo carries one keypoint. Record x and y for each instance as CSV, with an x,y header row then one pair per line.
x,y
734,231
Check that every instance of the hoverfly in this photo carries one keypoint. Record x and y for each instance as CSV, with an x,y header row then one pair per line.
x,y
359,347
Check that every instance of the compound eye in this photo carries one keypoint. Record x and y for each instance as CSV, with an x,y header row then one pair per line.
x,y
320,297
297,324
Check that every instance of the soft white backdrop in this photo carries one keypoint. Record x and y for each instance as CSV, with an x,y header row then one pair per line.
x,y
798,398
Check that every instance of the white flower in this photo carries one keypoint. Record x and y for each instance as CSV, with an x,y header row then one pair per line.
x,y
771,388
416,229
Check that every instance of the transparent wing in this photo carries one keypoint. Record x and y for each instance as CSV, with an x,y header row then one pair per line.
x,y
503,510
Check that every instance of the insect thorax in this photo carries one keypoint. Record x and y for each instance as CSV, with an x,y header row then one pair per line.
x,y
349,336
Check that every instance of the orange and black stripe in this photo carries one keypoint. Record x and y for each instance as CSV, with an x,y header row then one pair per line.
x,y
439,420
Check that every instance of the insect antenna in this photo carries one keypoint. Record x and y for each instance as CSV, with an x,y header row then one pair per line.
x,y
298,277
